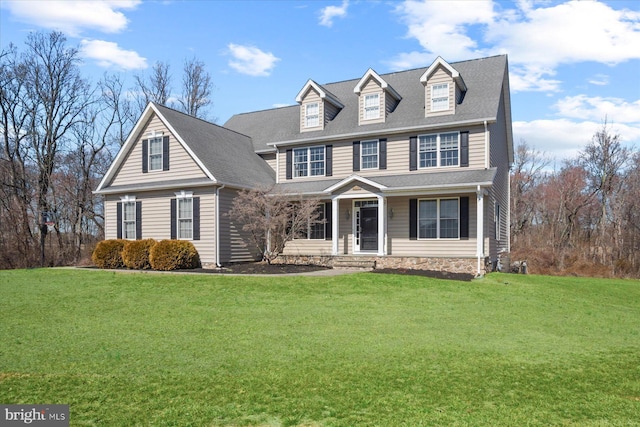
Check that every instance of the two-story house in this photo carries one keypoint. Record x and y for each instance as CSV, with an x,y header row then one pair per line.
x,y
411,169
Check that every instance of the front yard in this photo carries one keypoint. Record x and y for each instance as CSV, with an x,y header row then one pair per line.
x,y
356,350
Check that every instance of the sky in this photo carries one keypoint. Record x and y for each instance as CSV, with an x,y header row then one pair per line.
x,y
572,64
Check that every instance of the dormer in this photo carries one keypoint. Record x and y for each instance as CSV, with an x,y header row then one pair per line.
x,y
318,106
443,88
376,99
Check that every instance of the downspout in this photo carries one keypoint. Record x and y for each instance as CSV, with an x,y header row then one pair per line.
x,y
487,160
218,225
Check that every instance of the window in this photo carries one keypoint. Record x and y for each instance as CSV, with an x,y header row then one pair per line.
x,y
370,154
316,230
308,161
438,219
185,218
129,220
312,117
440,149
155,153
497,221
372,106
440,97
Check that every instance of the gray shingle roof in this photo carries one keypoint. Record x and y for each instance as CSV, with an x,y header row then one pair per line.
x,y
483,78
228,155
419,181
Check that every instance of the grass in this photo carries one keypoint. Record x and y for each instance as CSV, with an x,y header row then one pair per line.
x,y
356,350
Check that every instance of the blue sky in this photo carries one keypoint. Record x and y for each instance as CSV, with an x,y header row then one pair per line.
x,y
571,63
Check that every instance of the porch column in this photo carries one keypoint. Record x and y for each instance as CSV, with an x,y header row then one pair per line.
x,y
335,218
480,228
381,228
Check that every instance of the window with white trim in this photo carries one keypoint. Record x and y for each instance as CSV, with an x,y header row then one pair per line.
x,y
309,161
496,219
317,228
155,153
312,115
372,106
129,220
439,219
185,217
439,149
440,97
369,154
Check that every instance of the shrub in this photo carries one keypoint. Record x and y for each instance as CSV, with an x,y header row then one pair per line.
x,y
108,254
174,255
135,254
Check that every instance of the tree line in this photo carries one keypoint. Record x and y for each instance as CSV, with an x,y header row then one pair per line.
x,y
582,218
60,132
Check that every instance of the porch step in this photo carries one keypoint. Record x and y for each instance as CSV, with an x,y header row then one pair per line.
x,y
362,264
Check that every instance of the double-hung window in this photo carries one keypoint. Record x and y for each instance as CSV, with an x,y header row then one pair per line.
x,y
155,153
372,106
316,229
185,218
309,161
440,97
369,154
439,149
129,220
439,219
312,115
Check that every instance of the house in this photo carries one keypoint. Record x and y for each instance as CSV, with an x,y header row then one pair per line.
x,y
411,169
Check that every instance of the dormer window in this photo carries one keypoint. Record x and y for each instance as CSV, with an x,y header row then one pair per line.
x,y
312,115
372,106
440,97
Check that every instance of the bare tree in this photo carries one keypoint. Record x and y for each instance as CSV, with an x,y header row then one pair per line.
x,y
196,89
156,88
272,219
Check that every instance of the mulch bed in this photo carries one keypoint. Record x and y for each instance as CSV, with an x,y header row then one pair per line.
x,y
427,273
261,268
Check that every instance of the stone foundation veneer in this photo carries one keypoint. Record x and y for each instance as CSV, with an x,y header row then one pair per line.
x,y
451,265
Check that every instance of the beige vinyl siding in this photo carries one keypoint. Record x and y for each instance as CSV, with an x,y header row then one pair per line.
x,y
499,193
330,111
440,76
311,97
156,218
181,165
271,159
235,245
390,103
399,244
371,87
308,247
397,156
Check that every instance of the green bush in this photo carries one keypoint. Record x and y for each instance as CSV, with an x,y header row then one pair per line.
x,y
108,254
174,255
135,254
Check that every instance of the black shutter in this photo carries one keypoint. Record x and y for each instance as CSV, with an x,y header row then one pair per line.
x,y
119,220
289,163
464,149
145,155
383,153
328,158
196,218
174,219
165,153
413,219
413,153
464,217
356,156
328,216
138,220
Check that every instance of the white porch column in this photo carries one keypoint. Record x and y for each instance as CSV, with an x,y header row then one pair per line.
x,y
335,218
480,228
381,228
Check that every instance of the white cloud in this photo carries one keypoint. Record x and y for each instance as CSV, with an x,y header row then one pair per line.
x,y
537,36
71,17
563,138
615,110
599,80
109,54
327,14
251,60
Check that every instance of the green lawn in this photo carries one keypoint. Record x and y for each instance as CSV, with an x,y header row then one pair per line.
x,y
356,350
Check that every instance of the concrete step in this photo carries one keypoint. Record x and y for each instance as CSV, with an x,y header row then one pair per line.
x,y
362,264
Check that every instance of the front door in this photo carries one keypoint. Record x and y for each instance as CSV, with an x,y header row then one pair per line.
x,y
365,225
